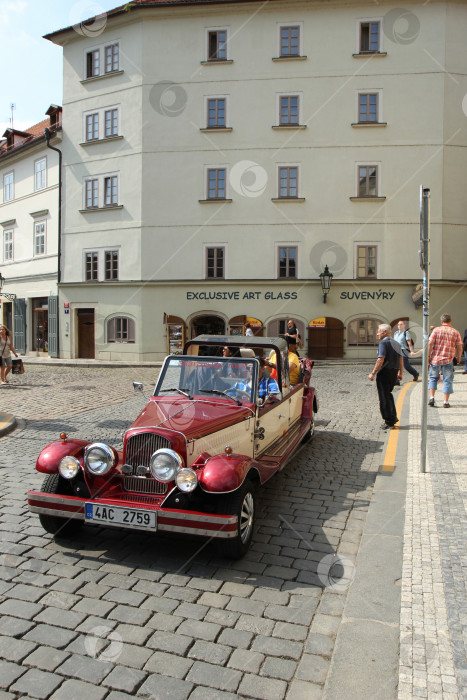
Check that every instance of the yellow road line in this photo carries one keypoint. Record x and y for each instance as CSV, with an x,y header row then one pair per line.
x,y
391,447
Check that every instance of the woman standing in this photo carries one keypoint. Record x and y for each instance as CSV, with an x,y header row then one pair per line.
x,y
6,348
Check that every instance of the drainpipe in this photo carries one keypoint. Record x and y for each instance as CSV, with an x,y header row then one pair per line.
x,y
48,135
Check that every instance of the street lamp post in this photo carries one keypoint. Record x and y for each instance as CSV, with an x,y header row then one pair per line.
x,y
326,279
5,294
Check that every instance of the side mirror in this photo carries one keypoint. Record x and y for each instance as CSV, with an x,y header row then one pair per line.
x,y
138,386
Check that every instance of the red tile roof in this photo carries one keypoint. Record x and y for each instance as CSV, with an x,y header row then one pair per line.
x,y
34,132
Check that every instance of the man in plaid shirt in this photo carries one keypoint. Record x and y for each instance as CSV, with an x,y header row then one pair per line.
x,y
444,345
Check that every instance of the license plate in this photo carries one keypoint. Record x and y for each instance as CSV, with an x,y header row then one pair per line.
x,y
117,515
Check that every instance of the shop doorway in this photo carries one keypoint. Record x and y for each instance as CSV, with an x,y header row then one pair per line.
x,y
86,347
40,338
326,341
207,325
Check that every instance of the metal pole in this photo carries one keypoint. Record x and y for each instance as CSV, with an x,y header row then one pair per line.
x,y
425,265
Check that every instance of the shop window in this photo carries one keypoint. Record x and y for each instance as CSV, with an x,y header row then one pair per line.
x,y
362,331
121,329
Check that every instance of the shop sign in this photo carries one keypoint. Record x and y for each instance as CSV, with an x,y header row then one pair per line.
x,y
318,323
271,296
254,323
364,296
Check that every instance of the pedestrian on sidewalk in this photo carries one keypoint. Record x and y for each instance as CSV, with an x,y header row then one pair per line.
x,y
465,352
388,370
444,345
6,348
403,337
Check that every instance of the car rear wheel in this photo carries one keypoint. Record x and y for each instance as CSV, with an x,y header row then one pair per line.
x,y
61,527
241,503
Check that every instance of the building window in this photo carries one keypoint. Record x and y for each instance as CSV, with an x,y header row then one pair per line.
x,y
216,112
290,41
111,191
370,35
362,331
111,58
8,187
92,193
367,181
216,183
367,107
111,123
217,45
40,173
91,266
215,263
111,265
366,262
288,181
39,238
289,109
7,245
93,63
287,262
121,329
92,127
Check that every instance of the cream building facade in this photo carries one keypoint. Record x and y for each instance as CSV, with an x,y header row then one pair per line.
x,y
218,156
29,229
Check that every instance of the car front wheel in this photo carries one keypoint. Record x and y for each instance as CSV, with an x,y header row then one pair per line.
x,y
61,527
241,503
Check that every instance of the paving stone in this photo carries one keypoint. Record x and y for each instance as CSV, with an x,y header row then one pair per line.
x,y
191,610
332,604
236,589
189,595
225,618
240,639
50,636
214,676
60,618
205,584
212,653
132,634
20,608
319,644
74,690
277,647
15,626
123,678
247,606
289,614
284,669
285,630
128,614
165,688
13,649
36,683
203,693
93,606
168,665
24,592
125,597
262,688
215,600
258,625
167,623
166,641
200,630
46,658
9,673
246,660
313,668
86,669
325,624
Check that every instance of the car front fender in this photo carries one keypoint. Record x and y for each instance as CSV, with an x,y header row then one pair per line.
x,y
50,457
222,473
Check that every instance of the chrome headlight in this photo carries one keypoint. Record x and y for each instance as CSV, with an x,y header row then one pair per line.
x,y
186,480
99,458
68,467
165,464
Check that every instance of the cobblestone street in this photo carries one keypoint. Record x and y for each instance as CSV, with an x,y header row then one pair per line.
x,y
115,614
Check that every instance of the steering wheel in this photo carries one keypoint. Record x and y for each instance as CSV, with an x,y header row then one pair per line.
x,y
239,393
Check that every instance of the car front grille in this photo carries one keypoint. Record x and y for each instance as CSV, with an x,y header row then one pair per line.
x,y
140,447
142,484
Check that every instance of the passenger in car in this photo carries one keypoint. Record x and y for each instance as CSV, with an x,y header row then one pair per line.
x,y
294,368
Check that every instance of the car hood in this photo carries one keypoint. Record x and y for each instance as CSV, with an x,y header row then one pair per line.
x,y
193,418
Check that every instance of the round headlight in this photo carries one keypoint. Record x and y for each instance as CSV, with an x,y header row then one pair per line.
x,y
165,464
68,467
99,458
186,480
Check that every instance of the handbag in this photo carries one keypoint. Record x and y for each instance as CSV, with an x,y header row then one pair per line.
x,y
17,367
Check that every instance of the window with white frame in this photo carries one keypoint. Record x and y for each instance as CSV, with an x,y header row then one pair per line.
x,y
40,174
290,40
369,36
101,191
101,124
39,237
216,112
7,246
366,261
287,267
121,329
288,181
102,60
101,265
368,107
368,184
217,43
216,178
289,110
8,187
91,265
111,265
215,263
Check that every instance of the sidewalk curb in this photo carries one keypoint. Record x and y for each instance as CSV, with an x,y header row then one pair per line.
x,y
7,423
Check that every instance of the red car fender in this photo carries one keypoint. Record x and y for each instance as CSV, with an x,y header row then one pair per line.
x,y
50,457
310,403
223,473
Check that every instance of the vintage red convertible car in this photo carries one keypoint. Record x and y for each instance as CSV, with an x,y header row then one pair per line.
x,y
193,459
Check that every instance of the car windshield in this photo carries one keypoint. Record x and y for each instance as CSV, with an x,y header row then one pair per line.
x,y
204,376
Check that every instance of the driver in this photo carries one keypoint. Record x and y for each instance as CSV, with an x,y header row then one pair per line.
x,y
268,389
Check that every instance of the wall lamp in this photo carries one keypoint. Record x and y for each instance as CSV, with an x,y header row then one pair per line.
x,y
326,279
2,293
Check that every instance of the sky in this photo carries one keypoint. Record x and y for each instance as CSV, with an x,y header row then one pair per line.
x,y
31,67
